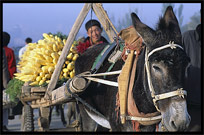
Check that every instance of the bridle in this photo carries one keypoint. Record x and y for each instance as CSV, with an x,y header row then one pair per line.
x,y
152,119
179,92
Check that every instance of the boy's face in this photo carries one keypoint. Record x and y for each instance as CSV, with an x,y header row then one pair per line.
x,y
94,32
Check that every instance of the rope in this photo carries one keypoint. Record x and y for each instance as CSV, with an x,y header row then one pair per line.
x,y
140,119
111,83
91,21
102,74
170,45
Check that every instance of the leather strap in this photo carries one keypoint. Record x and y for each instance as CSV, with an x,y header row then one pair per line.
x,y
144,119
131,104
123,81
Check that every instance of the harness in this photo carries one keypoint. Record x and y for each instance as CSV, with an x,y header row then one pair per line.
x,y
101,57
152,119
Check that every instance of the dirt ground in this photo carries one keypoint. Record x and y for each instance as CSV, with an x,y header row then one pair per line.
x,y
55,125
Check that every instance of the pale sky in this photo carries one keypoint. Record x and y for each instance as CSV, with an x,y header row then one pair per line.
x,y
23,20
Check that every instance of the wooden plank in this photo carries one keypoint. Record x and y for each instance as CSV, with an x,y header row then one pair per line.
x,y
31,98
38,94
38,89
75,28
26,90
59,96
103,18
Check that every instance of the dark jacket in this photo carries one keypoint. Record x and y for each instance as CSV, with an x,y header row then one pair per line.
x,y
5,71
192,46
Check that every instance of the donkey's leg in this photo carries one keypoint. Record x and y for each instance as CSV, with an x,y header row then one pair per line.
x,y
69,113
44,119
150,128
62,114
50,114
75,110
57,108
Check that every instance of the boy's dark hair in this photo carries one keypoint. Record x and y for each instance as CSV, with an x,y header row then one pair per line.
x,y
28,40
6,39
91,23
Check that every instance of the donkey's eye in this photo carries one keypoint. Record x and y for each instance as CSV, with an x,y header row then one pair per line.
x,y
171,62
156,68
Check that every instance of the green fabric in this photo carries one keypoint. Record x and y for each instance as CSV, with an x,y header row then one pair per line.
x,y
109,69
111,66
99,57
121,44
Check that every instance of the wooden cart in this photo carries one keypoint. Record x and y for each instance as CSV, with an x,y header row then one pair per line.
x,y
44,97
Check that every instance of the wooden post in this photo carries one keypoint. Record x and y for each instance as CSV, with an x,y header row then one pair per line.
x,y
103,18
75,28
43,120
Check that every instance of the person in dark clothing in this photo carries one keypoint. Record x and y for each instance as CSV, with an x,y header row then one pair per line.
x,y
11,61
9,54
192,46
5,80
94,31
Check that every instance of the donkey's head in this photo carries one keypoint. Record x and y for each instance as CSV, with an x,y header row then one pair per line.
x,y
166,63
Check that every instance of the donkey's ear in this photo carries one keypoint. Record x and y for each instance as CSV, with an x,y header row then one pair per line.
x,y
146,32
169,16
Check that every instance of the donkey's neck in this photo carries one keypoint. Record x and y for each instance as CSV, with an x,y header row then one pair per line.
x,y
141,93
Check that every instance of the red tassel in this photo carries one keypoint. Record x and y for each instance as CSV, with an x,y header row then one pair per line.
x,y
135,126
117,105
157,127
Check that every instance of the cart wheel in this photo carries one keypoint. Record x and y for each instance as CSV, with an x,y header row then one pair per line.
x,y
27,119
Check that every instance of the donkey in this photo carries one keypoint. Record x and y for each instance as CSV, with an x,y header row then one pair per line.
x,y
167,68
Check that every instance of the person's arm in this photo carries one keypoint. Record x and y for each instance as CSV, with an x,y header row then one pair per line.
x,y
13,64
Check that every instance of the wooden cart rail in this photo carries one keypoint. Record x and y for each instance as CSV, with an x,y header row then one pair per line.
x,y
36,96
60,95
